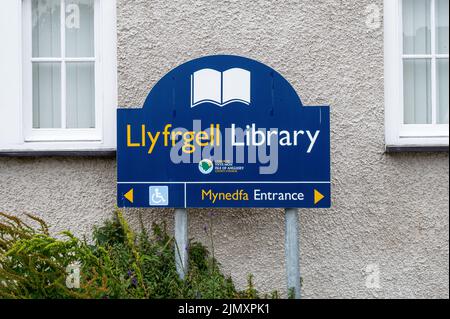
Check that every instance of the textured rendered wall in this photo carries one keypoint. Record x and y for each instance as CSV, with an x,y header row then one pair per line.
x,y
391,210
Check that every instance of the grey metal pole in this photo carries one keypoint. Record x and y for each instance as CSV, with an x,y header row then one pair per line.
x,y
292,251
181,242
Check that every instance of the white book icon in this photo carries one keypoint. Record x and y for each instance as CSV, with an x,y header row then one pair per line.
x,y
211,86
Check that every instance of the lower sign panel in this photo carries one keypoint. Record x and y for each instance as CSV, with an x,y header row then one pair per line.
x,y
225,195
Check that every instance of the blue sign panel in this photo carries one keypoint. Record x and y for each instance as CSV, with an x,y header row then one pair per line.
x,y
224,131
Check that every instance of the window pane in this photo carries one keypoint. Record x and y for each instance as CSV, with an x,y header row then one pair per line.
x,y
442,26
416,27
80,28
417,91
46,28
442,91
80,95
46,95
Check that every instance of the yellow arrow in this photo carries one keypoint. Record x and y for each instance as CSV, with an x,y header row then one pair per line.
x,y
317,197
130,195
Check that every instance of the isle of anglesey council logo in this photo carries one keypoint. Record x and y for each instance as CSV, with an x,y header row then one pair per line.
x,y
206,166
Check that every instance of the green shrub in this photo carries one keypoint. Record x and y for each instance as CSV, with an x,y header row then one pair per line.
x,y
119,264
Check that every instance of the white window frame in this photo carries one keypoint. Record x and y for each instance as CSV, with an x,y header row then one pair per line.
x,y
398,134
16,127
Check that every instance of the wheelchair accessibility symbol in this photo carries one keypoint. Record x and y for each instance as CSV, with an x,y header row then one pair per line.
x,y
159,195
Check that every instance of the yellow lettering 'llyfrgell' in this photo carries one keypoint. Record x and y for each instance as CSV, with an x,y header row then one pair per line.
x,y
202,139
218,135
166,134
143,134
188,138
129,144
174,137
212,134
153,140
191,139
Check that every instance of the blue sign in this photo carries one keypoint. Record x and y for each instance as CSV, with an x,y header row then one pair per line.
x,y
224,131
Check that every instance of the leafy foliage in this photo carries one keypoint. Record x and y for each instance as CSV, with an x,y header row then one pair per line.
x,y
119,264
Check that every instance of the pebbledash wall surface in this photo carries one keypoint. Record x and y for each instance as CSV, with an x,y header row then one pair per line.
x,y
390,210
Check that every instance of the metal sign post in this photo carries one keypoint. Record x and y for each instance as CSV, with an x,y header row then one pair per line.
x,y
292,251
181,242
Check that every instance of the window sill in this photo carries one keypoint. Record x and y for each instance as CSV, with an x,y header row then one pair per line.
x,y
96,153
417,149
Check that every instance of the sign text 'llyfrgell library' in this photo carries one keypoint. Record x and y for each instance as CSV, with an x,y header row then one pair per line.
x,y
224,131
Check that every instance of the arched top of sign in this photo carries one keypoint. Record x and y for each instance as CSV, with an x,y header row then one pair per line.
x,y
223,81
